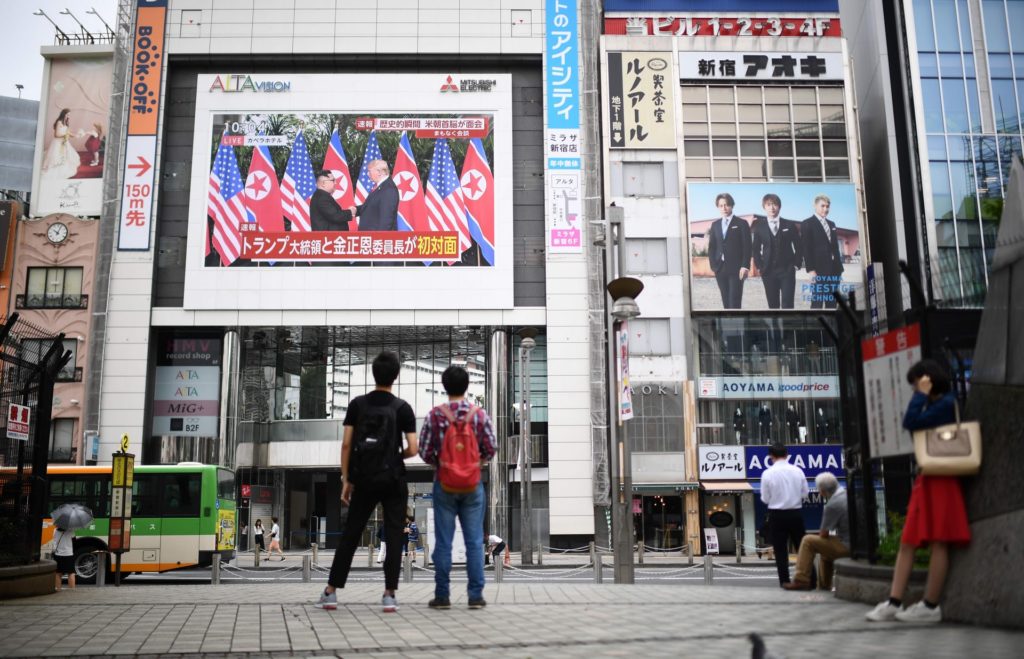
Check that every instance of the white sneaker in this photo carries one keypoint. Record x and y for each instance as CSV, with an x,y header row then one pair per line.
x,y
920,613
884,612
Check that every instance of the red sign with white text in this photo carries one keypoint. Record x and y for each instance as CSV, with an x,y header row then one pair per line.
x,y
713,26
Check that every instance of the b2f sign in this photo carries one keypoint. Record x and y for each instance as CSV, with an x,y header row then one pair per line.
x,y
18,417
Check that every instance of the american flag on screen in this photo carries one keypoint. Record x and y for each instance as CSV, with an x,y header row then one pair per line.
x,y
226,205
446,209
298,185
365,184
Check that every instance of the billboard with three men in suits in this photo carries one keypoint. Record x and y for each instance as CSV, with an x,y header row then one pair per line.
x,y
767,246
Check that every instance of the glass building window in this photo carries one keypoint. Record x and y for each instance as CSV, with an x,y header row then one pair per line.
x,y
784,123
748,369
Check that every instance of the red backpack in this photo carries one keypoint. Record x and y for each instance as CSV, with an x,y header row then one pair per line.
x,y
458,465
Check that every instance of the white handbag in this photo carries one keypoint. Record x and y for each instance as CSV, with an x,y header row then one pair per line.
x,y
950,450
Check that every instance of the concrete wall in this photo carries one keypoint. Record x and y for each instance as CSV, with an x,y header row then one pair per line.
x,y
985,583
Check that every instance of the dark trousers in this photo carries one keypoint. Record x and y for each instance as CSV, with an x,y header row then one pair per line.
x,y
785,526
393,498
496,553
821,297
779,288
731,287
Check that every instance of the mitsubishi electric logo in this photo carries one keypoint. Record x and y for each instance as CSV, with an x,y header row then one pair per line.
x,y
467,85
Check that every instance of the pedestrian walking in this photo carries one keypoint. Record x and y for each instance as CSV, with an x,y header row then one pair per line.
x,y
456,439
412,534
495,547
936,515
257,533
64,554
373,472
275,539
382,541
783,490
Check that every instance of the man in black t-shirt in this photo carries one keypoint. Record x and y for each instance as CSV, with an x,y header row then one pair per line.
x,y
387,487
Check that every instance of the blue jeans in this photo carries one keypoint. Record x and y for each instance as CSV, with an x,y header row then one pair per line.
x,y
469,508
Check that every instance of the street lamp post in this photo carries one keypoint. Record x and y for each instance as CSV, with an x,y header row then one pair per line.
x,y
623,291
526,345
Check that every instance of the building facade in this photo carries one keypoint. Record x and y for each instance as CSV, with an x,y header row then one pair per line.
x,y
940,85
731,142
214,348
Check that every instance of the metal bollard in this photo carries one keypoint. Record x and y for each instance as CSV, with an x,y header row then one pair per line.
x,y
598,568
640,552
256,556
305,569
408,566
369,555
709,570
215,571
499,569
739,546
689,555
101,567
316,554
426,551
540,555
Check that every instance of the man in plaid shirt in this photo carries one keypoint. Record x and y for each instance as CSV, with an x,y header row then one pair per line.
x,y
468,507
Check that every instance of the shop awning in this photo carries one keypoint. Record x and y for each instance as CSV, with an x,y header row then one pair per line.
x,y
811,485
667,488
726,486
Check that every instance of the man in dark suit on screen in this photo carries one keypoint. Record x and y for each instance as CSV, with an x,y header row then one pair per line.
x,y
379,211
324,212
729,252
777,253
822,258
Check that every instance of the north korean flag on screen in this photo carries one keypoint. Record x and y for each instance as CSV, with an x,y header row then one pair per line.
x,y
478,193
262,193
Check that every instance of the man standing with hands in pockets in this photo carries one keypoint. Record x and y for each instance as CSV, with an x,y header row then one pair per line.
x,y
373,472
783,490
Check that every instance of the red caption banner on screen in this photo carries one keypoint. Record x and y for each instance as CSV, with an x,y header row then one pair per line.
x,y
143,113
350,246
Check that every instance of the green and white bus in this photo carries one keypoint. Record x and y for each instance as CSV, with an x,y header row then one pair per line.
x,y
182,516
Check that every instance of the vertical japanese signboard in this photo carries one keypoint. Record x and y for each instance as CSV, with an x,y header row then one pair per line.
x,y
562,140
622,357
887,358
143,113
122,476
641,105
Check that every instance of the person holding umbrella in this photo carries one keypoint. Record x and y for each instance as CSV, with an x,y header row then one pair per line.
x,y
67,518
64,554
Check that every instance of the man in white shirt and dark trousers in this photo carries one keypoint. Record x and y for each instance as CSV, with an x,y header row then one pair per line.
x,y
783,490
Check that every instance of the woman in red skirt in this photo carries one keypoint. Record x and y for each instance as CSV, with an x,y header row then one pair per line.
x,y
936,515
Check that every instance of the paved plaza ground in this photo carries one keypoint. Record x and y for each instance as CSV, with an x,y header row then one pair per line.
x,y
521,620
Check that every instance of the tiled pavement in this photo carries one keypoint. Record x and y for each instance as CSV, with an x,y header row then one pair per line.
x,y
521,620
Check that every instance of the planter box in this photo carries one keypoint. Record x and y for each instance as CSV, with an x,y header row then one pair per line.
x,y
859,581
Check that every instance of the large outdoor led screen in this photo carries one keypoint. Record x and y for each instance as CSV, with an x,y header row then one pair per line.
x,y
351,191
761,246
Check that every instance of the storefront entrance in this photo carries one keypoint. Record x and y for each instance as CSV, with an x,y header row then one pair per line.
x,y
660,520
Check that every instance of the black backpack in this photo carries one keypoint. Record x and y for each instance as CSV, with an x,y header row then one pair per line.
x,y
376,445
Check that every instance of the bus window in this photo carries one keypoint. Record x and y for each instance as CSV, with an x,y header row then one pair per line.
x,y
90,490
182,495
145,497
225,485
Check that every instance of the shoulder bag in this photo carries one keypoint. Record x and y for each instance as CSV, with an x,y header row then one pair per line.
x,y
950,450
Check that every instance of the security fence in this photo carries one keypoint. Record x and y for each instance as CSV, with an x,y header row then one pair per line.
x,y
26,398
